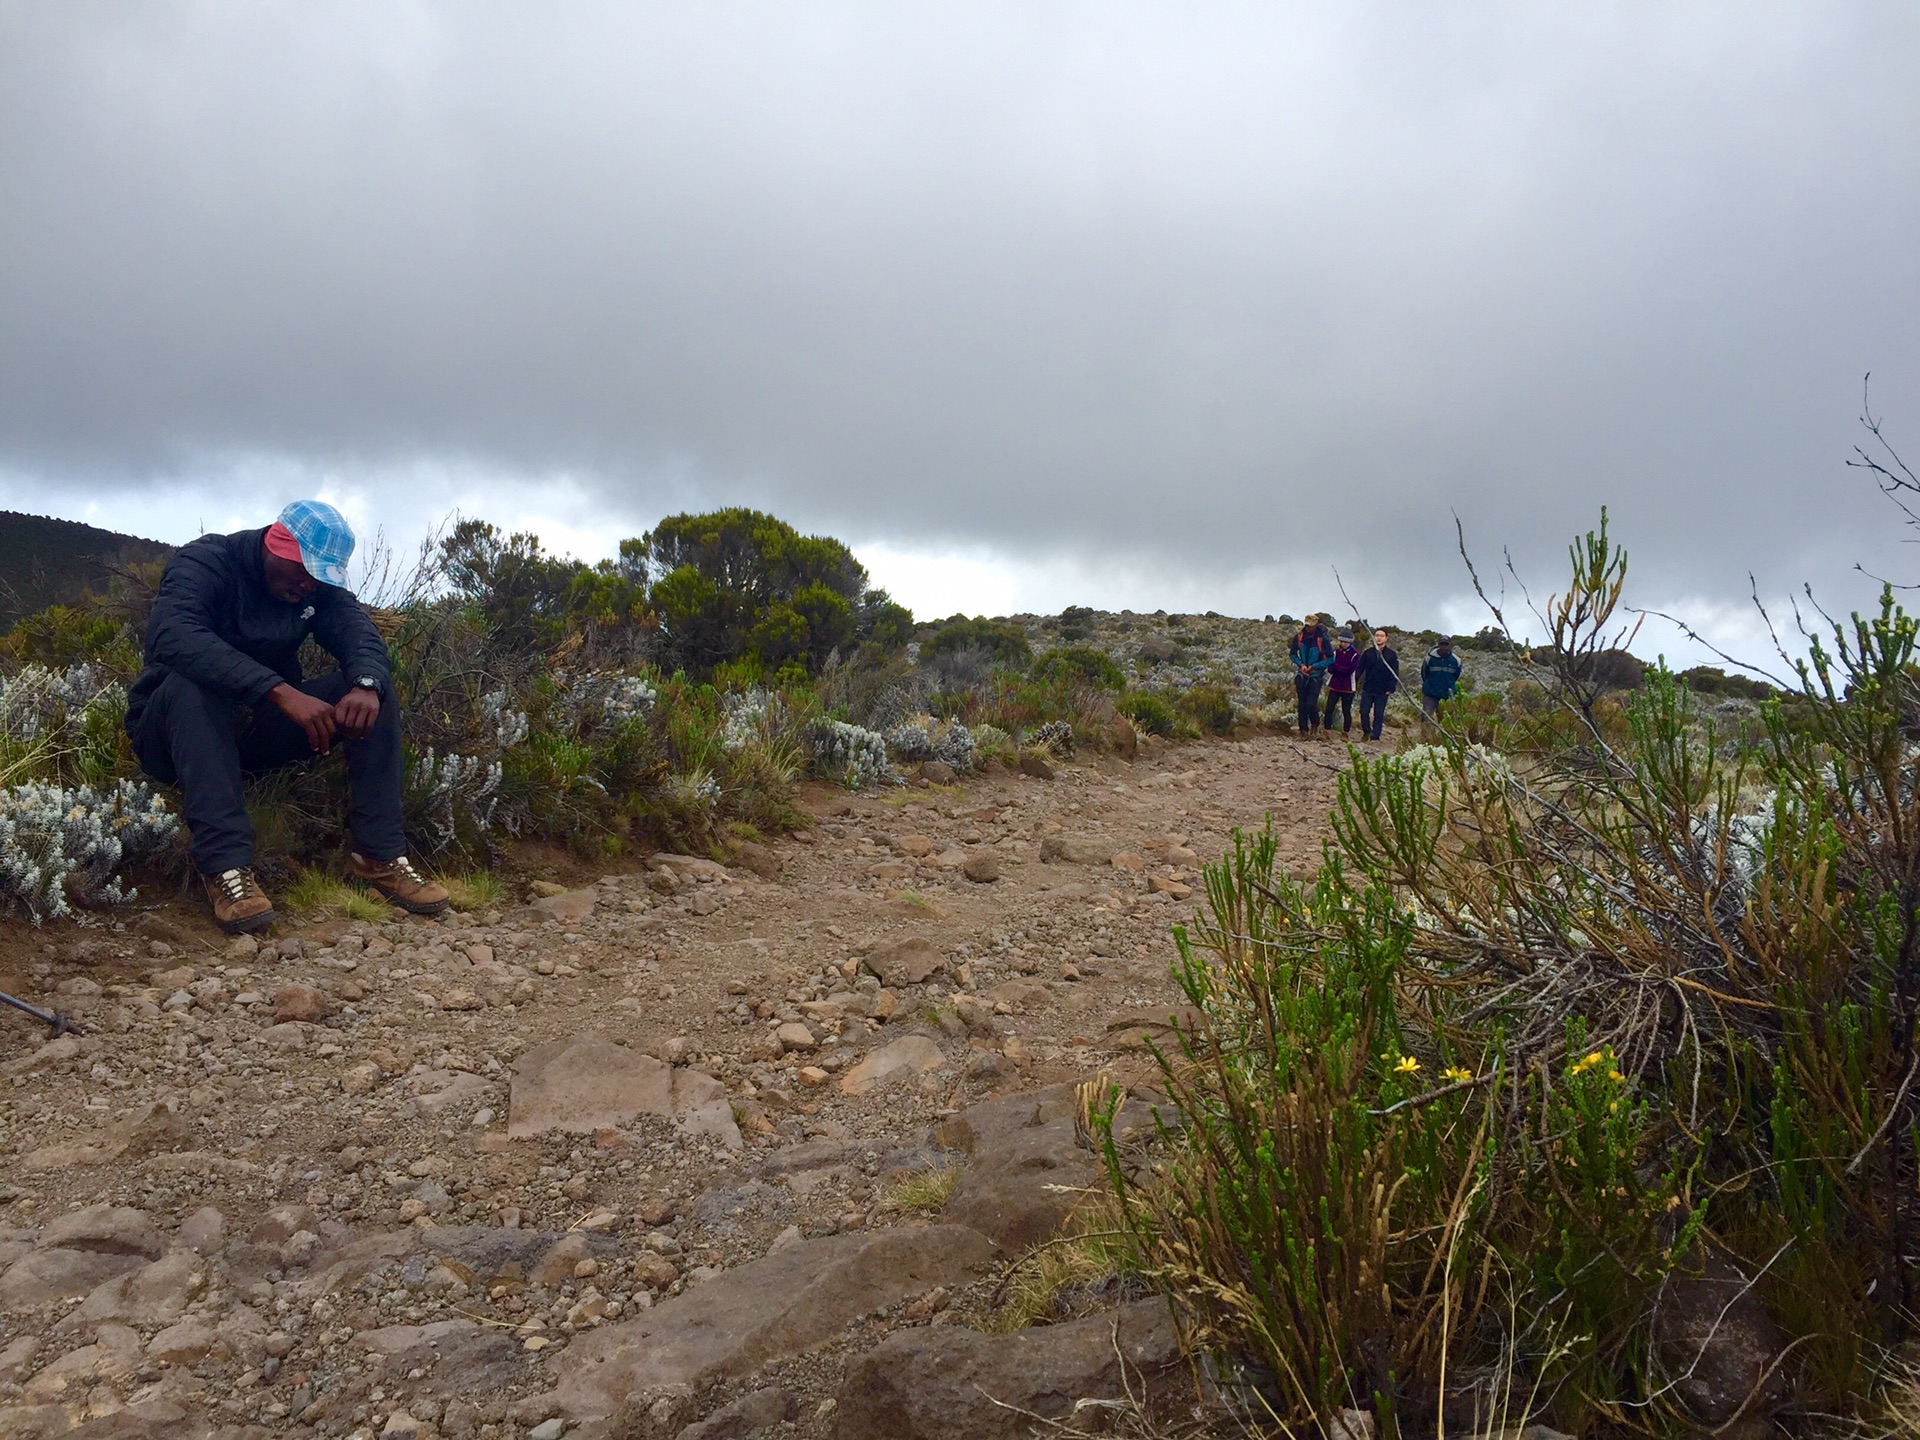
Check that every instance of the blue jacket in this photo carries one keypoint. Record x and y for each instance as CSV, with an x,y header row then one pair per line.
x,y
215,622
1439,675
1312,649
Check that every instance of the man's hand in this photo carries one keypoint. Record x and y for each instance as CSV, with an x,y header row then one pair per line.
x,y
316,717
356,712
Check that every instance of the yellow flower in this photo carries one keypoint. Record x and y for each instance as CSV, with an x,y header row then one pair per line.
x,y
1616,1077
1455,1073
1407,1066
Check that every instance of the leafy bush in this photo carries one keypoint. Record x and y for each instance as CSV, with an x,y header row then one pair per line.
x,y
850,754
739,584
1208,708
1547,1039
1001,642
1149,711
60,846
1055,737
1081,662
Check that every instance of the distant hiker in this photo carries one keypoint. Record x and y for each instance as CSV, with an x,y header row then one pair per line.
x,y
1379,678
1340,682
1312,656
222,696
1439,677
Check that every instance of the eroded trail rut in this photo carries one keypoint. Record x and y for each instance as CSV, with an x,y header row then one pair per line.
x,y
625,1162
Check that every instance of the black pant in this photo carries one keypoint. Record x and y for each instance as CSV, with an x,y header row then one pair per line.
x,y
1306,689
190,737
1373,712
1343,699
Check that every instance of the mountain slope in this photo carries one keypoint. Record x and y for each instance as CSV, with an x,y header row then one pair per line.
x,y
44,561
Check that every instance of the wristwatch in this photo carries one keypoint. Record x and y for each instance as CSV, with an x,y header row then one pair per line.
x,y
367,682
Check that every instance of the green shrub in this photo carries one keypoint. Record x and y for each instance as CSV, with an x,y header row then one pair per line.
x,y
1150,712
1209,708
1001,641
1546,1036
1079,662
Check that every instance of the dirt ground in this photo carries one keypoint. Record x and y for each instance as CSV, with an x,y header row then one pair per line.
x,y
271,1115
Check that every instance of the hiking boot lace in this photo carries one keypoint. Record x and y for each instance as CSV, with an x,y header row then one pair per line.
x,y
236,885
404,868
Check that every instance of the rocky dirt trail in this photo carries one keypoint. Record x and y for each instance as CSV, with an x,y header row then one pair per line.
x,y
651,1156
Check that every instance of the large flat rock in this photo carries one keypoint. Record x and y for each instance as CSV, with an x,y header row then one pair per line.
x,y
761,1312
588,1083
943,1382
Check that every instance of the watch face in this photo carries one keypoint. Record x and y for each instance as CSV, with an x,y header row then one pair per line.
x,y
367,682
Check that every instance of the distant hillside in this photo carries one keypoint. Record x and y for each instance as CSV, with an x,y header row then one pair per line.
x,y
46,562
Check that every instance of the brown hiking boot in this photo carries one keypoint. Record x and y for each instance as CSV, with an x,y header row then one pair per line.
x,y
240,906
400,883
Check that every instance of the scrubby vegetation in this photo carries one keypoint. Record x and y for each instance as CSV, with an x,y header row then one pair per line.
x,y
1579,1083
672,696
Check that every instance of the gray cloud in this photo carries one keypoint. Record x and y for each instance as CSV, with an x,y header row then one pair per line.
x,y
1209,290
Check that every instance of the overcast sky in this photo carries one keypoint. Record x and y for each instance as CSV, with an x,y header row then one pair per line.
x,y
1178,305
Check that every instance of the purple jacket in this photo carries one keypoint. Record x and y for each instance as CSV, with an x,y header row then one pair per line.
x,y
1346,663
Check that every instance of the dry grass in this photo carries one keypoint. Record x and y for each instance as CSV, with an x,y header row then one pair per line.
x,y
923,1194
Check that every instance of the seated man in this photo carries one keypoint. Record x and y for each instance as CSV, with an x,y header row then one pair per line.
x,y
223,647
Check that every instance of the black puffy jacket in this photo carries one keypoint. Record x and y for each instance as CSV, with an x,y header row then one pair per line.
x,y
215,622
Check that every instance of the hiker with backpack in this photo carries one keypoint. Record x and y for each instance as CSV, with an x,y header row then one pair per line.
x,y
1439,678
1312,656
1379,678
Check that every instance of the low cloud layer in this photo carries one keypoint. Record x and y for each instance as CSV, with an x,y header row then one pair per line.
x,y
1153,301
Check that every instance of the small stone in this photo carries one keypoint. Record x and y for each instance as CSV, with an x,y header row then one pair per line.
x,y
795,1036
359,1079
582,1269
548,1429
812,1076
305,1003
204,1231
982,869
546,889
401,1426
287,1036
1127,860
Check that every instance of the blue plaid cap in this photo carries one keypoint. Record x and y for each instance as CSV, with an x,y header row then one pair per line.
x,y
326,540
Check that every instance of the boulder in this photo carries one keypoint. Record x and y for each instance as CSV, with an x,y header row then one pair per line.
x,y
767,1310
461,1356
943,1382
1036,764
589,1083
905,962
569,907
1715,1337
107,1229
114,1355
1025,1163
897,1059
982,869
156,1294
756,859
1076,850
204,1231
749,1415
